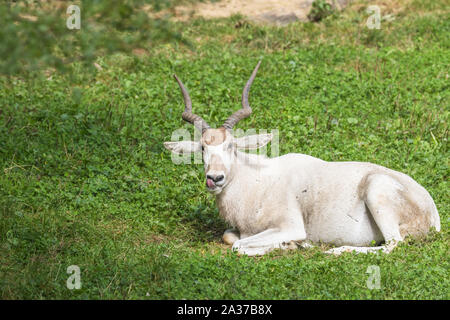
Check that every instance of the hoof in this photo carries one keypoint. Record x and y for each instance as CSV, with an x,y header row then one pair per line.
x,y
230,236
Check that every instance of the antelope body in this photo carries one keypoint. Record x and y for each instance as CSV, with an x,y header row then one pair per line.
x,y
297,199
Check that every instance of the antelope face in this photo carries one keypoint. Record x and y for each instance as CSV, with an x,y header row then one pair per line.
x,y
219,150
218,155
218,146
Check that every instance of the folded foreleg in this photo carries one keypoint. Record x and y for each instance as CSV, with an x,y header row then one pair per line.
x,y
268,240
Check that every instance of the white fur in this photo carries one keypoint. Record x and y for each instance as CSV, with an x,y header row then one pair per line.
x,y
272,203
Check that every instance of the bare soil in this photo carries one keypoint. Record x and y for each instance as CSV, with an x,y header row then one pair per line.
x,y
265,11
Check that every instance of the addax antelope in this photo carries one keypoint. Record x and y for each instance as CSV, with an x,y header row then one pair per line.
x,y
296,199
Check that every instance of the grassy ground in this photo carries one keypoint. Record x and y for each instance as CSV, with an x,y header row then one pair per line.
x,y
85,179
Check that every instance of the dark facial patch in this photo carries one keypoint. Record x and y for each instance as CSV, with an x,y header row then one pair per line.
x,y
214,137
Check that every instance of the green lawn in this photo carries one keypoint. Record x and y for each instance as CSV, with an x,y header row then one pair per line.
x,y
86,181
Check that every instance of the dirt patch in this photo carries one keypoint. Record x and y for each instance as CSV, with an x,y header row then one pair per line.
x,y
266,11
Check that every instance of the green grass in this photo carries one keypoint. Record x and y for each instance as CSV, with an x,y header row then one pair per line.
x,y
85,179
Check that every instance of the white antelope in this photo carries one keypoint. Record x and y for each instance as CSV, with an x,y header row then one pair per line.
x,y
297,199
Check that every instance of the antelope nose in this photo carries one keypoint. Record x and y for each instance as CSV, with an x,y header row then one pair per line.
x,y
215,178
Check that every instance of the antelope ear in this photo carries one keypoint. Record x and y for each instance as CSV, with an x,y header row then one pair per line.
x,y
180,147
254,141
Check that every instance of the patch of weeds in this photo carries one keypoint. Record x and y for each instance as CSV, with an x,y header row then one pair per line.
x,y
320,9
372,37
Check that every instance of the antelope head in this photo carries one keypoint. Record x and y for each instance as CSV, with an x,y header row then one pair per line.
x,y
218,146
